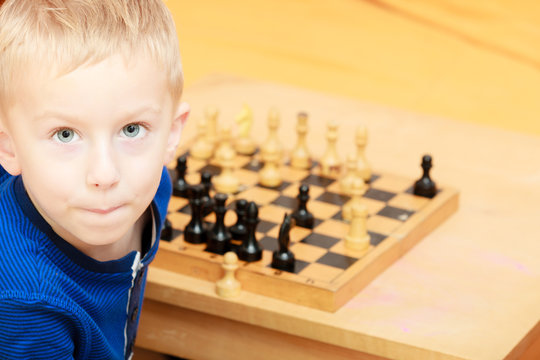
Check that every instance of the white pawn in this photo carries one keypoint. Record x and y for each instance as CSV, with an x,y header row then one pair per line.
x,y
201,149
300,156
225,144
362,165
227,182
358,189
358,237
228,286
211,115
270,175
346,182
272,143
330,162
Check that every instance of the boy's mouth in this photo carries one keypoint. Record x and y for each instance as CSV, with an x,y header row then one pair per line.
x,y
105,210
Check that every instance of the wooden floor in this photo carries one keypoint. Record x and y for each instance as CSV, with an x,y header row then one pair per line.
x,y
476,61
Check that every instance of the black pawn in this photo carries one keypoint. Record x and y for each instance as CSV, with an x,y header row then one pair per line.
x,y
195,231
207,201
283,258
301,215
180,187
425,186
250,250
167,231
239,230
219,237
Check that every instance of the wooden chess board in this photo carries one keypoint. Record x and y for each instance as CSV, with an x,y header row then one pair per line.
x,y
326,274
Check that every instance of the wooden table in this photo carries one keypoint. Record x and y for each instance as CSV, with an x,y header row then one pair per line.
x,y
469,290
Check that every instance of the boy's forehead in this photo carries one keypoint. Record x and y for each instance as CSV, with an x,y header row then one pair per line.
x,y
115,75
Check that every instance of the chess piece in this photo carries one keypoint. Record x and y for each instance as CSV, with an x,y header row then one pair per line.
x,y
270,175
301,215
229,286
225,145
358,237
244,144
239,230
227,182
219,237
207,201
351,174
201,149
358,189
300,157
362,166
283,258
330,162
250,249
211,115
272,143
195,231
425,186
180,187
167,231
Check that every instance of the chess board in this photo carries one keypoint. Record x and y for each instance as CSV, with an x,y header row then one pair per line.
x,y
326,274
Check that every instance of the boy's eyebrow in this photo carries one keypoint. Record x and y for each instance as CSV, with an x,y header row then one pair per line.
x,y
156,110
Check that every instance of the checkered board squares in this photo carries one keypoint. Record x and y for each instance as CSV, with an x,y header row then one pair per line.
x,y
326,273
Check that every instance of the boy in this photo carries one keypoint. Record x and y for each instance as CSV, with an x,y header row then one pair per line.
x,y
90,112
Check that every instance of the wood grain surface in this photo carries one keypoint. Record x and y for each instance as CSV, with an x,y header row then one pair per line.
x,y
474,61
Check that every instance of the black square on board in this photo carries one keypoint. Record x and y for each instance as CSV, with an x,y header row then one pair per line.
x,y
373,178
379,195
376,238
337,260
269,243
320,240
265,226
286,201
317,180
395,213
333,198
186,209
212,169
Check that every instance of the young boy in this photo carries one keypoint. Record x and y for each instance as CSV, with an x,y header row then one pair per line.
x,y
90,112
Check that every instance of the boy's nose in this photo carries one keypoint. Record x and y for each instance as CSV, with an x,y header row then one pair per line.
x,y
102,170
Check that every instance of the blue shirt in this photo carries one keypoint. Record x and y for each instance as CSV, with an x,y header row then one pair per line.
x,y
55,301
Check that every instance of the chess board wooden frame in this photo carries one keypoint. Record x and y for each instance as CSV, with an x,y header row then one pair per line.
x,y
192,260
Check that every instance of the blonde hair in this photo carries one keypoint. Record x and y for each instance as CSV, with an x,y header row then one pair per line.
x,y
62,35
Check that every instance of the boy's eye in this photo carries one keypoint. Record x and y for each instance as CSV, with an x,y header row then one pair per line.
x,y
131,130
65,135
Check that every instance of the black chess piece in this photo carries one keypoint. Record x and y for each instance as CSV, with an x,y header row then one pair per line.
x,y
301,215
425,186
195,231
283,258
167,231
219,237
180,186
239,230
250,249
207,201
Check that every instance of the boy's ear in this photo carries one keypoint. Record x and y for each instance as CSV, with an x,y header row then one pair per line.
x,y
180,118
8,159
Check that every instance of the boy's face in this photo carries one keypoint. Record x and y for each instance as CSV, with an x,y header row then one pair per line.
x,y
90,146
